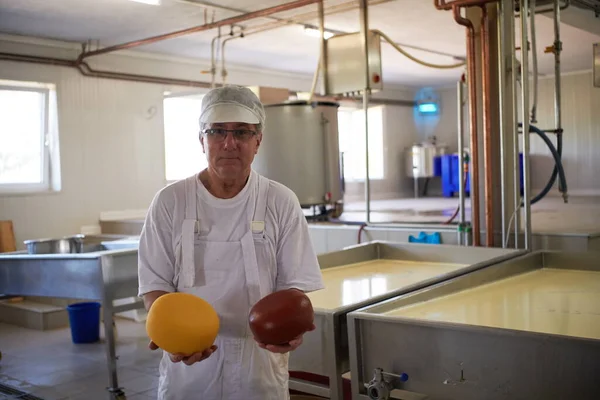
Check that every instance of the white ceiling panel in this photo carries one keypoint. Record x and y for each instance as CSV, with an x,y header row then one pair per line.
x,y
413,23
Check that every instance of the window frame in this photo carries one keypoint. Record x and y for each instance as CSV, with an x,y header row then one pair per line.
x,y
46,184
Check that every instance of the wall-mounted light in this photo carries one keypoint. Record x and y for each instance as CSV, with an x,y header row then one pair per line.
x,y
150,2
428,108
314,32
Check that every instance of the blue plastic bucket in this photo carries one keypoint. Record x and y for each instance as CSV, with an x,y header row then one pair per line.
x,y
84,319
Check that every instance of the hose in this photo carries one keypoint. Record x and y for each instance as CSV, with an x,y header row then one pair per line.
x,y
558,167
414,59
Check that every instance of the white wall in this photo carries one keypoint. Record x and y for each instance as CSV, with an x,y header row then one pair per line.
x,y
444,127
111,137
581,138
581,124
399,132
111,134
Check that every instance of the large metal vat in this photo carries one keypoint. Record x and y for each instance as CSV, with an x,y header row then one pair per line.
x,y
420,158
366,274
523,328
300,149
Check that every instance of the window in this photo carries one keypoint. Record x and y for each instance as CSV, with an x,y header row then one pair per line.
x,y
183,152
351,129
28,138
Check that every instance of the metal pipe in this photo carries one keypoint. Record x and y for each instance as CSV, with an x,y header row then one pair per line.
x,y
36,59
227,21
557,81
223,69
364,29
208,4
525,119
213,62
487,128
566,5
443,5
474,142
86,70
323,48
461,162
502,125
534,65
515,133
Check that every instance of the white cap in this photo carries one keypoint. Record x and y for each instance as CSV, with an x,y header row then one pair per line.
x,y
232,104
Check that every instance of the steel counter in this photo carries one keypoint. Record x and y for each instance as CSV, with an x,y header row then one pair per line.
x,y
97,274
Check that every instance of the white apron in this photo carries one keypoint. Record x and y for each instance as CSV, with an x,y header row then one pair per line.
x,y
227,275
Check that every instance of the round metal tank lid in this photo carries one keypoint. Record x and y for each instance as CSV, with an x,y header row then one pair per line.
x,y
304,103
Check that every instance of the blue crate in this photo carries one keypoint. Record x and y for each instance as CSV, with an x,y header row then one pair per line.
x,y
450,172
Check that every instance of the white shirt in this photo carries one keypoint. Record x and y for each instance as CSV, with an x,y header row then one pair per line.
x,y
223,220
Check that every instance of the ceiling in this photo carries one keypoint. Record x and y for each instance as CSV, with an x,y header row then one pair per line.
x,y
415,23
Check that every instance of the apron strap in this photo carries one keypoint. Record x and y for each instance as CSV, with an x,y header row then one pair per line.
x,y
260,208
188,231
256,291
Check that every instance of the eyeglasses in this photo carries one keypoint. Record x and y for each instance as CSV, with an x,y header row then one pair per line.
x,y
219,134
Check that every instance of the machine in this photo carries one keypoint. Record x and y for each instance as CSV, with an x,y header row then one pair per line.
x,y
301,151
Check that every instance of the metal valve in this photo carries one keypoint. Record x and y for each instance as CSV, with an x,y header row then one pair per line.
x,y
380,386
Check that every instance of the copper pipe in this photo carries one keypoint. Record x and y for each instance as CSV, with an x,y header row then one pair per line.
x,y
227,21
37,59
472,81
86,70
443,5
487,127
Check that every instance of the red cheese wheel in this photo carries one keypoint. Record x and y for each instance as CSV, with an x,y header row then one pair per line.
x,y
281,316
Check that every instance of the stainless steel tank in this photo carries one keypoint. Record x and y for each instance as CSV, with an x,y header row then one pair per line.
x,y
419,161
300,149
420,158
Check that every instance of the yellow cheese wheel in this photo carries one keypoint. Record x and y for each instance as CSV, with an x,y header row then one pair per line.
x,y
181,323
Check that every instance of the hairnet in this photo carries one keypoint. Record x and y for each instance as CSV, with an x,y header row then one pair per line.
x,y
232,103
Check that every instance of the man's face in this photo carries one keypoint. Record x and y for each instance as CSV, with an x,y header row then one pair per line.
x,y
230,148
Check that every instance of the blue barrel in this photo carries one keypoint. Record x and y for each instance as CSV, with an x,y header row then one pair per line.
x,y
84,319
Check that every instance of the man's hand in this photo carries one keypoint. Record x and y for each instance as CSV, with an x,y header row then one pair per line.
x,y
286,348
187,359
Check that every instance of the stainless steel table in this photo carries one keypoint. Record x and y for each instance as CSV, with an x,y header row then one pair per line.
x,y
325,351
524,328
96,274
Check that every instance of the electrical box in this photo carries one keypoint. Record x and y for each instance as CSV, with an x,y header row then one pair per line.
x,y
346,63
597,65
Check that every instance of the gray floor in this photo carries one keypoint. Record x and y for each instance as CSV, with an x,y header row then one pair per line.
x,y
48,365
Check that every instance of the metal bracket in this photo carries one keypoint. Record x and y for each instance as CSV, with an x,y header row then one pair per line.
x,y
381,385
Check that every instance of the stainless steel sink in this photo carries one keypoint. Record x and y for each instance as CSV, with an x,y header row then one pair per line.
x,y
75,244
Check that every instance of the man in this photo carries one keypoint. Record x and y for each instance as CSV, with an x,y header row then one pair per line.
x,y
229,236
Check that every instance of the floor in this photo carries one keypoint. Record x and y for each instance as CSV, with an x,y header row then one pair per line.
x,y
49,366
550,215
